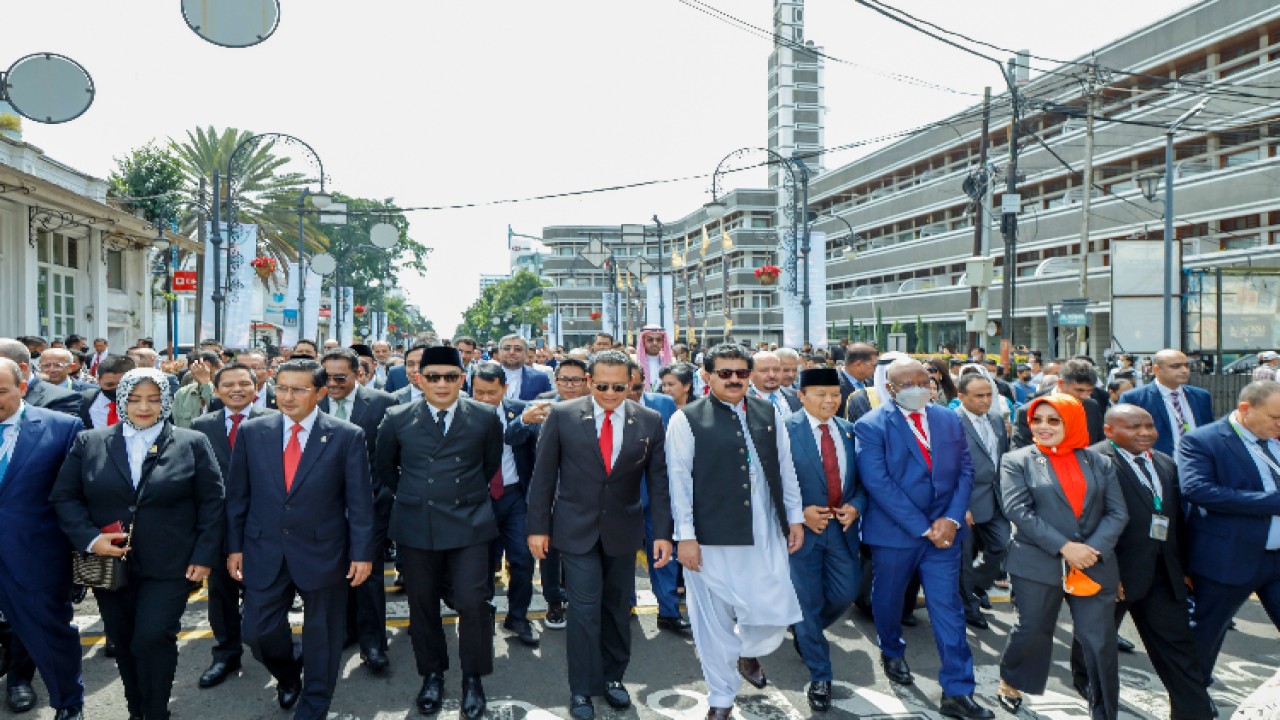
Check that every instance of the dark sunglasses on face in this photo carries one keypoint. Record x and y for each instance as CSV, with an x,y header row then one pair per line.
x,y
434,378
571,380
637,388
726,374
340,379
606,387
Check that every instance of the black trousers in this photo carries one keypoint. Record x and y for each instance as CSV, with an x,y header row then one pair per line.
x,y
598,646
367,610
143,619
44,620
224,614
991,540
1164,626
267,633
464,573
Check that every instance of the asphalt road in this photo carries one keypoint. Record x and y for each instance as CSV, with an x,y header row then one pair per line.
x,y
664,677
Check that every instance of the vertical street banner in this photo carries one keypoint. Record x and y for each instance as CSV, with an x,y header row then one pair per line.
x,y
342,319
609,320
238,279
651,312
792,309
291,321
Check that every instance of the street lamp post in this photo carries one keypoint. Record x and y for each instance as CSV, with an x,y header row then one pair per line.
x,y
805,301
662,293
216,239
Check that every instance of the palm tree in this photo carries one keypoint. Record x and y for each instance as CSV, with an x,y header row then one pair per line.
x,y
264,196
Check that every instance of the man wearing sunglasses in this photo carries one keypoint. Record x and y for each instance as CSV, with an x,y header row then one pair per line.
x,y
584,500
737,517
523,382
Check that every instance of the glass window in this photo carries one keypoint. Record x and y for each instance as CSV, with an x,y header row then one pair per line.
x,y
115,270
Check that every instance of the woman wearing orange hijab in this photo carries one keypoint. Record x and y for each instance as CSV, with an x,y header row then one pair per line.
x,y
1067,510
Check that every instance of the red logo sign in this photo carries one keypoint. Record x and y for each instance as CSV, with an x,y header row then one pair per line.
x,y
184,281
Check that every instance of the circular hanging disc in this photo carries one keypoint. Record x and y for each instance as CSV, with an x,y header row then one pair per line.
x,y
232,23
384,235
323,264
48,88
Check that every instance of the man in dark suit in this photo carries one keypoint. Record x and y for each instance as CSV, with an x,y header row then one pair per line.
x,y
1152,587
509,491
409,393
364,406
1230,473
1077,378
989,530
825,570
914,461
859,368
592,457
766,384
299,520
234,386
38,393
523,382
438,457
264,396
61,367
1176,408
98,405
35,578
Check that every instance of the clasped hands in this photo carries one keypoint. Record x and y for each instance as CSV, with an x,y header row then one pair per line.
x,y
942,533
816,517
1079,555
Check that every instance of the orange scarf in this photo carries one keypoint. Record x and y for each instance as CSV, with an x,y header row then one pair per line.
x,y
1062,456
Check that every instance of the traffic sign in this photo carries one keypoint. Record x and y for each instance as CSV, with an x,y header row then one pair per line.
x,y
184,281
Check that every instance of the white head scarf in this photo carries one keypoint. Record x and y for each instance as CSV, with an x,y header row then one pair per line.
x,y
130,381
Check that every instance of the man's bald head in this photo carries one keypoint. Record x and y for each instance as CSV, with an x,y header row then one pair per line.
x,y
1126,412
1130,428
906,370
1171,368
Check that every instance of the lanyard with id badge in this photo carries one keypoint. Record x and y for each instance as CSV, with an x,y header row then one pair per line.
x,y
1159,529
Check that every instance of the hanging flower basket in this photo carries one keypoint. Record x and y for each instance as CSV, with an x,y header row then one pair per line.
x,y
768,274
264,266
359,310
392,328
595,316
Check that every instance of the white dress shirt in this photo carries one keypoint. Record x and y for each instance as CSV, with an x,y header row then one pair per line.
x,y
510,476
814,424
924,421
1264,471
618,418
1175,421
98,411
307,423
448,420
1149,479
983,426
514,379
228,412
137,443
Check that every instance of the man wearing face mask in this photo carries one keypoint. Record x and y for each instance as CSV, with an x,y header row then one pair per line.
x,y
98,405
914,462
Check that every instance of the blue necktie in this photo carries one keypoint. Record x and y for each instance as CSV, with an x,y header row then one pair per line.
x,y
4,458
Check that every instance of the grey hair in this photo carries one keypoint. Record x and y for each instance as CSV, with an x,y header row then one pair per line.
x,y
787,353
13,367
1257,393
15,351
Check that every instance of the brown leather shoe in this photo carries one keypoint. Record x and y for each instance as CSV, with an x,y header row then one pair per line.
x,y
752,672
716,713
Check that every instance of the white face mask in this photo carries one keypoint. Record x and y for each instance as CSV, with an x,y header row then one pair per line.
x,y
913,398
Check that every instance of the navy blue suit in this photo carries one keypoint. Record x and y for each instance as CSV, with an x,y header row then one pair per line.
x,y
35,574
665,579
305,540
396,378
905,498
511,510
533,383
1227,530
825,570
1148,398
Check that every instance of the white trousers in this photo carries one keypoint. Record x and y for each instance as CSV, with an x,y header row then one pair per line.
x,y
720,640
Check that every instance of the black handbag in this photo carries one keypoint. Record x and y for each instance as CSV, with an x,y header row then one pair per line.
x,y
100,571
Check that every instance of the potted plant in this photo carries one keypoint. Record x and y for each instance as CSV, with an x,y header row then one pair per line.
x,y
265,266
595,316
359,310
768,274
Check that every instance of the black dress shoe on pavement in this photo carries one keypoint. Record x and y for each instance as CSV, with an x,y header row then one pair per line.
x,y
109,650
974,618
219,671
819,695
473,701
1124,645
397,584
522,629
555,616
287,695
752,672
677,624
431,696
896,669
716,713
963,706
580,708
984,600
376,660
69,714
21,698
616,695
909,620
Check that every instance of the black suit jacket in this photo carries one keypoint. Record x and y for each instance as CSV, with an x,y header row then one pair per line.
x,y
216,403
1092,415
213,425
52,397
792,397
368,407
440,484
180,517
521,438
1140,557
576,503
87,398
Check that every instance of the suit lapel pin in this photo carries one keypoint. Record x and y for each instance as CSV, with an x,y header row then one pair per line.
x,y
631,421
324,438
510,415
1040,460
153,450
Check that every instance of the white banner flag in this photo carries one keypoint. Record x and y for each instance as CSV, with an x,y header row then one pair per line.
x,y
342,320
793,311
240,279
609,320
666,315
314,297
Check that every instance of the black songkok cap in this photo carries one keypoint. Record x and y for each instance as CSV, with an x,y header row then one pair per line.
x,y
819,377
441,355
362,350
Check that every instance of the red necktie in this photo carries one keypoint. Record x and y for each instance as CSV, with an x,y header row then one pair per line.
x,y
93,367
831,466
292,456
235,427
919,423
606,442
113,415
495,485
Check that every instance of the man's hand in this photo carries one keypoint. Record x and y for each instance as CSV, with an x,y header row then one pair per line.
x,y
1120,592
1079,556
795,539
535,413
942,533
846,514
359,572
197,573
538,545
235,563
690,555
661,553
201,372
816,518
968,518
103,545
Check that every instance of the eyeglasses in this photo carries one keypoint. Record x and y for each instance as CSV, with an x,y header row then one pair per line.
x,y
637,387
1050,421
726,374
909,385
606,387
512,348
54,365
571,381
434,378
933,370
340,379
287,391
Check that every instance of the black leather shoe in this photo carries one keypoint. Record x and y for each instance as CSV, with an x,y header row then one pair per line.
x,y
69,714
974,618
555,616
819,695
1124,645
287,695
522,629
376,660
21,698
716,713
984,600
616,695
752,672
473,701
109,650
431,696
896,669
219,671
909,620
963,706
580,708
1011,703
397,585
677,624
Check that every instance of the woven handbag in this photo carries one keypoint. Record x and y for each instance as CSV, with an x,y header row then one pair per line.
x,y
98,571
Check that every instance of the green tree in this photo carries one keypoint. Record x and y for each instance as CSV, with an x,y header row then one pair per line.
x,y
882,338
511,302
921,346
149,180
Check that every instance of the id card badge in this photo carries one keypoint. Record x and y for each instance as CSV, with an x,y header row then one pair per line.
x,y
1159,527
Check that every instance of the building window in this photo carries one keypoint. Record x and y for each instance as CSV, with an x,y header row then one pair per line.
x,y
58,260
115,270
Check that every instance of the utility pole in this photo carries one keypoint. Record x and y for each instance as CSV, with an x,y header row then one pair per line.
x,y
662,293
979,200
1012,204
1090,96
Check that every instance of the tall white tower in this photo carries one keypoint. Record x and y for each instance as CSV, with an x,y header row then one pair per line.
x,y
796,110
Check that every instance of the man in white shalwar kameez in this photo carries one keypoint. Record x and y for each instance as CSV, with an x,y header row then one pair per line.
x,y
736,504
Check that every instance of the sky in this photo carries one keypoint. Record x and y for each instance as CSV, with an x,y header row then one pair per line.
x,y
437,103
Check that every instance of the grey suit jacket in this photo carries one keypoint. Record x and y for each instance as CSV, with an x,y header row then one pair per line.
x,y
984,501
1043,521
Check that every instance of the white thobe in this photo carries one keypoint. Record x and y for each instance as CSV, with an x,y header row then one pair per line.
x,y
742,600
